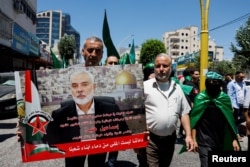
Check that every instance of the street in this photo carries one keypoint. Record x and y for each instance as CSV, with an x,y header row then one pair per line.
x,y
10,154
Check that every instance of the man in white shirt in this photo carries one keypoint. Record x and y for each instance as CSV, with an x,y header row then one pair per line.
x,y
165,103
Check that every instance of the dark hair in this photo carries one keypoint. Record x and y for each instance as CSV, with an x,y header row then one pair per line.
x,y
172,74
106,61
186,72
238,72
192,70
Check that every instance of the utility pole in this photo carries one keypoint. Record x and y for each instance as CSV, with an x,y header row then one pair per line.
x,y
204,42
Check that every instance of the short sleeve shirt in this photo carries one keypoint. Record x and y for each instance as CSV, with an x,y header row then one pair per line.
x,y
163,109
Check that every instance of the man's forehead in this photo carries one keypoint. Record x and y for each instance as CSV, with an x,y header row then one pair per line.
x,y
93,43
112,58
164,61
80,77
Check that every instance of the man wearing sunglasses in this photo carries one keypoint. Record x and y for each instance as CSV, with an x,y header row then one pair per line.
x,y
111,60
112,157
92,52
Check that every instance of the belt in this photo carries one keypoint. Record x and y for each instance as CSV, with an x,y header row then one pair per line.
x,y
154,136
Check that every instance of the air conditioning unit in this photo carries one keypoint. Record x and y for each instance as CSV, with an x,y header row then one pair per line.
x,y
18,6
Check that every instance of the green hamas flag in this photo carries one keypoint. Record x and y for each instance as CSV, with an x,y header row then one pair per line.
x,y
111,50
56,62
132,53
125,59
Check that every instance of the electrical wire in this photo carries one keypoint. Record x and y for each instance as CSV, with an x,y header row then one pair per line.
x,y
231,22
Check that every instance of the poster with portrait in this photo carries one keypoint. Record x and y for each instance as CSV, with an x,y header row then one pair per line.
x,y
80,111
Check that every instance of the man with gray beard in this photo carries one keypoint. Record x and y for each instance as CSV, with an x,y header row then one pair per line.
x,y
165,103
84,106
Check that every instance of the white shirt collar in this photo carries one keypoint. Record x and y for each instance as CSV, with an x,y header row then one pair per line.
x,y
90,111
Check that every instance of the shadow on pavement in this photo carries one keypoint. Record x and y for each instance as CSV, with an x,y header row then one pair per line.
x,y
7,125
124,164
4,116
6,136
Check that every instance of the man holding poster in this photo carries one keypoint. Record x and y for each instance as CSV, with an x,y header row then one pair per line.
x,y
83,124
86,107
85,117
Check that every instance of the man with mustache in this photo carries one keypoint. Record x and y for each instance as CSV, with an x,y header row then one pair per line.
x,y
84,104
165,103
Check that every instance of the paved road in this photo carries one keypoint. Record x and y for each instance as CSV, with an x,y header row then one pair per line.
x,y
10,154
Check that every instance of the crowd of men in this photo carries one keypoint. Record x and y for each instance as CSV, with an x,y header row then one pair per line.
x,y
211,119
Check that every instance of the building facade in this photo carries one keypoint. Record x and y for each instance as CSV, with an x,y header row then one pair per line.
x,y
52,25
186,41
19,46
123,51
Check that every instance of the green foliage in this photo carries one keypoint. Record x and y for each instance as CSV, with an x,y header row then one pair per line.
x,y
67,46
150,49
197,61
242,48
222,67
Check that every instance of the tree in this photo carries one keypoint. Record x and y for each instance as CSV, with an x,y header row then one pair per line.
x,y
66,47
150,49
223,67
241,51
197,61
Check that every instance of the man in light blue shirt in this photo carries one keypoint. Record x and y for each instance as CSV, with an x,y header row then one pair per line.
x,y
236,90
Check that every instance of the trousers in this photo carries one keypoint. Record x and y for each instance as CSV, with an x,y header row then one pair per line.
x,y
160,150
95,160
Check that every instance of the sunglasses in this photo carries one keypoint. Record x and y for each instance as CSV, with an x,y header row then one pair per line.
x,y
112,63
97,50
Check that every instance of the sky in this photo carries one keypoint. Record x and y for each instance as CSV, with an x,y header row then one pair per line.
x,y
150,19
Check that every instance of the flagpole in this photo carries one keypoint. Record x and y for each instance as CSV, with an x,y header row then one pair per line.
x,y
122,41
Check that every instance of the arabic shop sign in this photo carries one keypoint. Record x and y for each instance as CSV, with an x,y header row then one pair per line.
x,y
183,61
20,39
34,45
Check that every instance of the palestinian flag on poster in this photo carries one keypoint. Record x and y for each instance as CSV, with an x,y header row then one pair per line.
x,y
36,146
35,121
19,97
